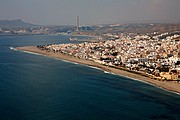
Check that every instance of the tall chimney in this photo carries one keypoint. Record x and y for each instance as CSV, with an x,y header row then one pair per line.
x,y
77,23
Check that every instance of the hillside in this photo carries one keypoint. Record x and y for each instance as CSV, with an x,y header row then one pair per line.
x,y
15,24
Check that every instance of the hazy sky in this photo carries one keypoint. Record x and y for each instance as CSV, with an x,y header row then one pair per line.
x,y
63,12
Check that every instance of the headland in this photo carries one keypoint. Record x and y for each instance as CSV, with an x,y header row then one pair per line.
x,y
167,85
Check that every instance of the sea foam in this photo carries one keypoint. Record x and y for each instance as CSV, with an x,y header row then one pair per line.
x,y
12,48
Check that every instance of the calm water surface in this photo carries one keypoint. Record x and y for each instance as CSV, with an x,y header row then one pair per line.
x,y
37,87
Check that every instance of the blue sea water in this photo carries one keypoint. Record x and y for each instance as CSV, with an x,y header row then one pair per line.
x,y
34,87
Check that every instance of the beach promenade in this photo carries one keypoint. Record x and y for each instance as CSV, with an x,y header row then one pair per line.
x,y
167,85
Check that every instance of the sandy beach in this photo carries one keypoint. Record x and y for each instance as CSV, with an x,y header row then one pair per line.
x,y
168,85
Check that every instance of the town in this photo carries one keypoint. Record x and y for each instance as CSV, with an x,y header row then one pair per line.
x,y
154,55
149,49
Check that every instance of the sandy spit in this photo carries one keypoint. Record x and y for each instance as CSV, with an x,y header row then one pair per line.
x,y
167,85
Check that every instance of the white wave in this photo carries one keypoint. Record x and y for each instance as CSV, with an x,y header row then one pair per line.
x,y
32,53
12,48
67,61
75,63
107,72
94,67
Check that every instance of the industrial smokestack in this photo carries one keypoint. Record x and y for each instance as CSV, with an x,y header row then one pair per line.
x,y
77,23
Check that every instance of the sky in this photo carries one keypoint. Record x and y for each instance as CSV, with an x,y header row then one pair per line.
x,y
64,12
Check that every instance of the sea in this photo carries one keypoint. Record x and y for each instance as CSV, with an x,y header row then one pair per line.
x,y
36,87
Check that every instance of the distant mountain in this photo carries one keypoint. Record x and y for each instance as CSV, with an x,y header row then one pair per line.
x,y
15,24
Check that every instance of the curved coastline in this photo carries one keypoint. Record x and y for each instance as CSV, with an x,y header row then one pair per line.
x,y
166,85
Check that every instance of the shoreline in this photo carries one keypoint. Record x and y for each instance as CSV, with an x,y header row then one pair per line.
x,y
166,85
84,35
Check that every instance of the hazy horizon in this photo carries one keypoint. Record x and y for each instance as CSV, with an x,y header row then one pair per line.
x,y
63,12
